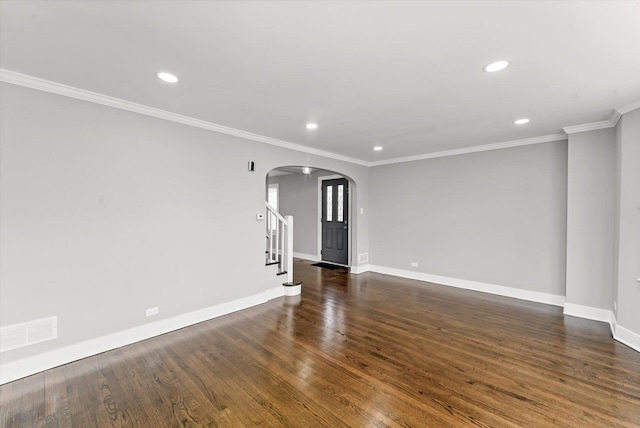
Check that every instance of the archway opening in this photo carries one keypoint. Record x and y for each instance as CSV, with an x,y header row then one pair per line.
x,y
321,203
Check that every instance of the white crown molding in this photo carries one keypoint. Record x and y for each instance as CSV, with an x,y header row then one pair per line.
x,y
93,97
25,80
474,149
626,109
593,126
615,117
616,114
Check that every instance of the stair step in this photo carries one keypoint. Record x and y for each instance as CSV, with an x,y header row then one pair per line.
x,y
268,263
284,272
292,283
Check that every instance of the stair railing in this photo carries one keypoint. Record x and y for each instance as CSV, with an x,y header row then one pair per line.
x,y
279,233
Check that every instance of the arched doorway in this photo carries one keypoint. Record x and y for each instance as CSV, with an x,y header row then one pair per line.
x,y
320,202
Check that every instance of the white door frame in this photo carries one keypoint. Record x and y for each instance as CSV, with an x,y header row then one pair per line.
x,y
320,180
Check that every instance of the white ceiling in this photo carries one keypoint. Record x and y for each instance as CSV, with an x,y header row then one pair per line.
x,y
404,75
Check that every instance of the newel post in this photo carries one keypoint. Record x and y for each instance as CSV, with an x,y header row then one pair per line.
x,y
289,248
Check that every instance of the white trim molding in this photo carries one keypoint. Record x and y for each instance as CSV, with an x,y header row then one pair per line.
x,y
594,126
25,80
628,337
292,290
623,335
615,117
94,97
357,270
618,333
474,149
616,114
626,109
57,357
310,257
588,312
516,293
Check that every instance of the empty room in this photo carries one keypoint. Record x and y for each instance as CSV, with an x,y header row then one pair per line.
x,y
319,213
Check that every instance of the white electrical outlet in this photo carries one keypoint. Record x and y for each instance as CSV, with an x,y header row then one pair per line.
x,y
152,311
414,264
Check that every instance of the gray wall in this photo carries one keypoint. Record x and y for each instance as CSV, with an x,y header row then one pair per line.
x,y
298,197
497,217
627,256
104,213
590,218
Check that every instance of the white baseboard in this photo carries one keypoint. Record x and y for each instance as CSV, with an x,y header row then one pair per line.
x,y
587,312
628,337
292,290
359,269
619,333
47,360
304,256
532,296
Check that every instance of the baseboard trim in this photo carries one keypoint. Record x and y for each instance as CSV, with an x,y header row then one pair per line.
x,y
359,269
292,290
587,312
311,257
628,337
618,333
532,296
47,360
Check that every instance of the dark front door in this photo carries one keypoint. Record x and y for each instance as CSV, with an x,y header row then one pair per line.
x,y
335,215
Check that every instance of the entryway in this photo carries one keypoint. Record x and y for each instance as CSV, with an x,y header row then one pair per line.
x,y
335,221
320,202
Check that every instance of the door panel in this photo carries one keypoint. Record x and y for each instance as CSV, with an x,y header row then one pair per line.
x,y
335,215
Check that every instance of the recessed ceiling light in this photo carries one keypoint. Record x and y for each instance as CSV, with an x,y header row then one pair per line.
x,y
377,148
521,121
496,66
312,126
167,77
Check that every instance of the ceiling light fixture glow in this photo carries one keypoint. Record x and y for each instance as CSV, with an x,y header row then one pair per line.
x,y
521,121
167,77
496,66
377,148
306,170
312,126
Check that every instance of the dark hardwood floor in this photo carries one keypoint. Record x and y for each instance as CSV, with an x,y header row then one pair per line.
x,y
366,350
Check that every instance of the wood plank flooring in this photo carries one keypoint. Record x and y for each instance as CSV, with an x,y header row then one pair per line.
x,y
365,350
